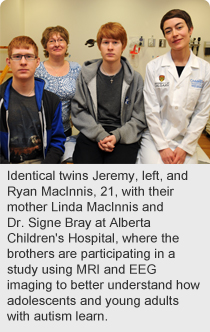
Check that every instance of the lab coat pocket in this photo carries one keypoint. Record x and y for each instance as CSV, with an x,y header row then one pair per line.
x,y
192,98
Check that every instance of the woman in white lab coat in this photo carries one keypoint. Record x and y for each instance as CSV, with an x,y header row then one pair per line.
x,y
177,97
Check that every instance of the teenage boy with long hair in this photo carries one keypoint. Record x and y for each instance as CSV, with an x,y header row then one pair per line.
x,y
108,107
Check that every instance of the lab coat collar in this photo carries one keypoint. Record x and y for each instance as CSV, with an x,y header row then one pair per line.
x,y
168,62
193,60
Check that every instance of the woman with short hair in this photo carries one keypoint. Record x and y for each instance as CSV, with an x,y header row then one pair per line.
x,y
59,74
176,95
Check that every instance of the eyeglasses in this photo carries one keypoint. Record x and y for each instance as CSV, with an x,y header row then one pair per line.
x,y
53,41
28,57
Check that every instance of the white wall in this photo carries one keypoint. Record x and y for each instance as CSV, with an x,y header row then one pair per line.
x,y
83,18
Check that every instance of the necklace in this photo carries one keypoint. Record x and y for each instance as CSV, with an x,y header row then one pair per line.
x,y
55,71
26,95
30,93
58,71
110,76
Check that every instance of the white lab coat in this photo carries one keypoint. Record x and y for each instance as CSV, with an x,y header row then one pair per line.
x,y
177,108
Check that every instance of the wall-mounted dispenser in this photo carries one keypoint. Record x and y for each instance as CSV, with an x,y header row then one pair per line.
x,y
162,43
207,48
151,42
135,44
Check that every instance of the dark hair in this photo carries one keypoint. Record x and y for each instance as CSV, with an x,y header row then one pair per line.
x,y
112,30
176,13
48,32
